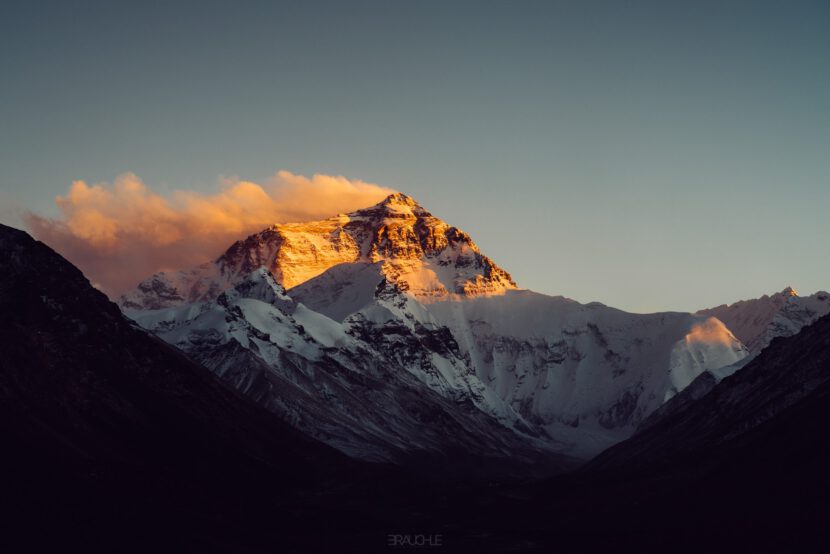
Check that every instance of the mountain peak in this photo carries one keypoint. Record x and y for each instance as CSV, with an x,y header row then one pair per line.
x,y
418,252
398,199
396,206
789,291
757,321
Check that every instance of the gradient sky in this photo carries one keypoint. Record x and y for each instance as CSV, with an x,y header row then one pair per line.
x,y
648,155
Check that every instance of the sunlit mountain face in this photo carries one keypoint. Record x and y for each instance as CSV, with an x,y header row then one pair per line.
x,y
411,248
117,231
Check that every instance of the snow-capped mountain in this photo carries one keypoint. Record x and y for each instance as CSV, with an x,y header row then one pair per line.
x,y
792,371
756,322
337,382
391,298
585,374
416,250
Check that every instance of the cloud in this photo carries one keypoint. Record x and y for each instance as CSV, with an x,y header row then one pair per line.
x,y
120,233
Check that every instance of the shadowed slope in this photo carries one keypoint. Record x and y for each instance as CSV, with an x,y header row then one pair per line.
x,y
114,440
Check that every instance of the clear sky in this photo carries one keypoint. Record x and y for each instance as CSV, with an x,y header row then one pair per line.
x,y
648,155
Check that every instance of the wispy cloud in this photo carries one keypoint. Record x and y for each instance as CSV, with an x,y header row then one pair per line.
x,y
118,233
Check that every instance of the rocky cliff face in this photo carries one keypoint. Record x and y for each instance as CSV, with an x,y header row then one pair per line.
x,y
377,387
416,251
586,374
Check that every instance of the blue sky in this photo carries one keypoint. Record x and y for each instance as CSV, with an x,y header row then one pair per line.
x,y
649,155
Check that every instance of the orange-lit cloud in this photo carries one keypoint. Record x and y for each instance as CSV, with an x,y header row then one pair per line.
x,y
120,233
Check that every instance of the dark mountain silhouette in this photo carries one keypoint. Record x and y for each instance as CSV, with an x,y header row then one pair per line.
x,y
114,441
